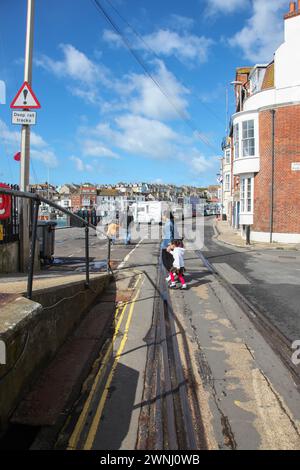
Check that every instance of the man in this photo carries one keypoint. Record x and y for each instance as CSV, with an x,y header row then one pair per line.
x,y
128,228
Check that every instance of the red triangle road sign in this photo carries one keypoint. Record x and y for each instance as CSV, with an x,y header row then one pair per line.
x,y
25,98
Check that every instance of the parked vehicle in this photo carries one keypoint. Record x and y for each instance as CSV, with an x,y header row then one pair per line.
x,y
147,212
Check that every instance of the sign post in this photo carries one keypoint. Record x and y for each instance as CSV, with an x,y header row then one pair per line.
x,y
25,142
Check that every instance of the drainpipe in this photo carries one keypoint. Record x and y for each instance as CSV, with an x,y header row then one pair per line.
x,y
273,113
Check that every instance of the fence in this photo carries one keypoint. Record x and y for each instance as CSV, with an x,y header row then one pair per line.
x,y
10,227
36,200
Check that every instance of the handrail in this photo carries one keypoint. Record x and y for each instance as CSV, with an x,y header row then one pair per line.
x,y
37,197
37,200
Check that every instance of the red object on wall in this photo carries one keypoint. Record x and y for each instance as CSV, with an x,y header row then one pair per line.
x,y
17,157
5,203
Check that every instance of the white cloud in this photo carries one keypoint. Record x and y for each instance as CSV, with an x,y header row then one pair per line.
x,y
181,23
80,165
139,136
199,164
135,93
151,102
8,137
37,141
227,6
94,148
75,65
40,150
188,48
112,38
263,32
45,156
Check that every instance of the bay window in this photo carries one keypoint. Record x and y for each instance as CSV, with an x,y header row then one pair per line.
x,y
236,140
246,194
227,182
248,139
228,157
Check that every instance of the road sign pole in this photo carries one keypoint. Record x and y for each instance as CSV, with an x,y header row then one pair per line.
x,y
25,145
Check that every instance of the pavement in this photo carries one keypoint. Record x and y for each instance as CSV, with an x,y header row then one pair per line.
x,y
247,396
268,279
106,388
244,389
230,236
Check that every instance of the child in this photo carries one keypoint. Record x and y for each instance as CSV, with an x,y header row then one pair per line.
x,y
177,251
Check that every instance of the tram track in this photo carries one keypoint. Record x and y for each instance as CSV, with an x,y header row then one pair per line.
x,y
275,338
170,409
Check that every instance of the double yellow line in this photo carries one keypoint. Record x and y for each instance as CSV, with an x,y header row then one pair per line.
x,y
73,442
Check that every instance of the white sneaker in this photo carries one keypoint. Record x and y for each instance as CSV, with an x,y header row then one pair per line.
x,y
173,285
184,287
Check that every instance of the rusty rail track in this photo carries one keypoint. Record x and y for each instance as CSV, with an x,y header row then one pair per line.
x,y
167,421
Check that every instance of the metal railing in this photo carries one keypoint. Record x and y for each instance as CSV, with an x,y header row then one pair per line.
x,y
36,201
11,225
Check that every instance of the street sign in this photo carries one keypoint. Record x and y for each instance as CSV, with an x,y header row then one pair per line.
x,y
24,117
296,166
25,98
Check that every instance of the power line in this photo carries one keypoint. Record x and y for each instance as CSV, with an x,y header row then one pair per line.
x,y
140,37
182,115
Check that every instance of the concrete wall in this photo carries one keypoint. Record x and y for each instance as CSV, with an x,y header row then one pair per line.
x,y
9,258
33,331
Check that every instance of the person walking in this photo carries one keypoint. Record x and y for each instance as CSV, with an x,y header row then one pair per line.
x,y
129,223
169,234
177,251
112,230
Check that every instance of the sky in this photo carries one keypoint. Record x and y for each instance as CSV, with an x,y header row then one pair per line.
x,y
155,114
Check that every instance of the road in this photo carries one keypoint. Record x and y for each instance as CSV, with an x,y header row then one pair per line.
x,y
270,279
175,370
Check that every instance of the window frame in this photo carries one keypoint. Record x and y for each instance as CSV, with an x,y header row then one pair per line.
x,y
247,194
248,138
228,156
227,184
236,140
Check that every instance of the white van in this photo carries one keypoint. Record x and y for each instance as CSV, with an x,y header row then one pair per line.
x,y
147,212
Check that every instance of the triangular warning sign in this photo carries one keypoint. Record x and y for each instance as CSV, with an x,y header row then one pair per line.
x,y
25,98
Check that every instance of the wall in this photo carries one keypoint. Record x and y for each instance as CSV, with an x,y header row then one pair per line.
x,y
286,182
287,56
33,331
9,258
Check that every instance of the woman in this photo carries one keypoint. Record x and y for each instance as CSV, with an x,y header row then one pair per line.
x,y
169,234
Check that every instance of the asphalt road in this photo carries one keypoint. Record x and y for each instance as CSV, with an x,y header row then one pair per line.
x,y
269,279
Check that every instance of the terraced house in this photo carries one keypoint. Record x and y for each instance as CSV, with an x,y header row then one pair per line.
x,y
264,143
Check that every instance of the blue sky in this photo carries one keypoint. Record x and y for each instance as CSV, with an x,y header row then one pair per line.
x,y
102,118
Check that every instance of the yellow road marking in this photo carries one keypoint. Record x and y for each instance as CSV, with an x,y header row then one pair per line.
x,y
95,423
81,420
73,441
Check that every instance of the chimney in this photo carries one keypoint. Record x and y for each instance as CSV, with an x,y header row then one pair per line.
x,y
294,10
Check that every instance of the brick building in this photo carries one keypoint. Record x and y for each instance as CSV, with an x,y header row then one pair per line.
x,y
265,143
85,198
